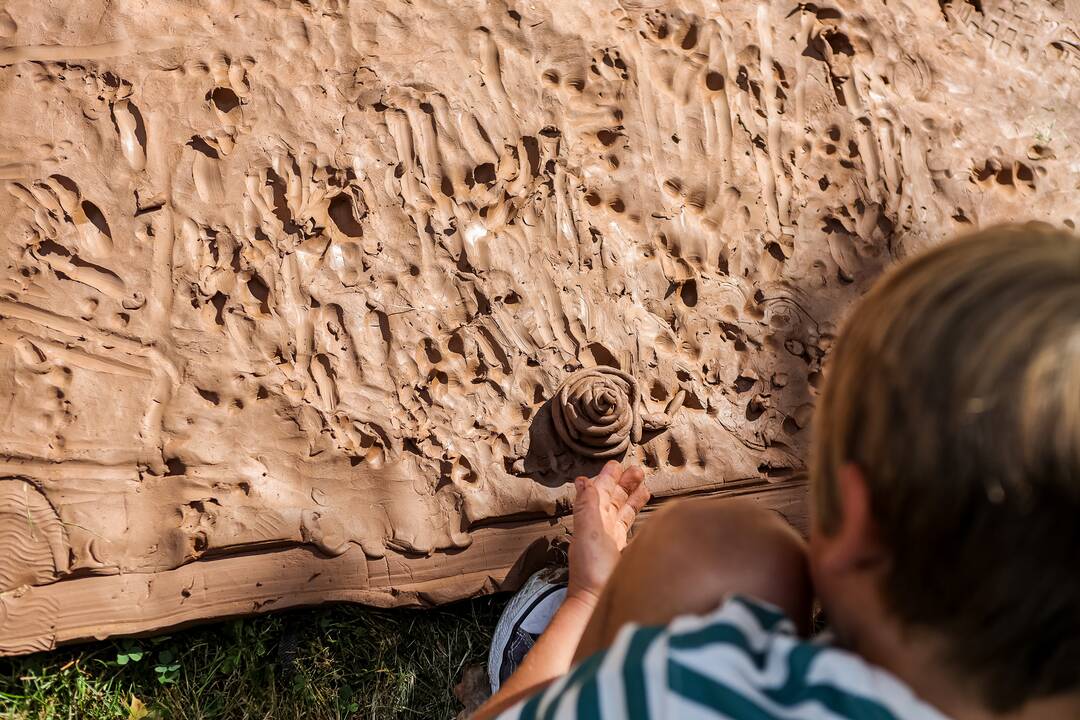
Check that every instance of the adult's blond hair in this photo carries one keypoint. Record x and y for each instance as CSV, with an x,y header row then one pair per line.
x,y
955,387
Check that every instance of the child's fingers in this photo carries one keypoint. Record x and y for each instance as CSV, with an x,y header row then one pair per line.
x,y
608,478
637,500
631,480
580,483
586,506
632,477
620,492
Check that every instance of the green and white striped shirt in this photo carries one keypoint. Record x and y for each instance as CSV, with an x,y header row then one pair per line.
x,y
743,661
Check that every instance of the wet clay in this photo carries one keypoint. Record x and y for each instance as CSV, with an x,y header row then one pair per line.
x,y
327,300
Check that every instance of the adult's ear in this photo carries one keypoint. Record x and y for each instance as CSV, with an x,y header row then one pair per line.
x,y
855,545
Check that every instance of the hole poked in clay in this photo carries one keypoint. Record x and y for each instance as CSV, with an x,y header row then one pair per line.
x,y
342,214
224,99
96,218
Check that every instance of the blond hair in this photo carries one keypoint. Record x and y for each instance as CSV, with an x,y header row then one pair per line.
x,y
955,387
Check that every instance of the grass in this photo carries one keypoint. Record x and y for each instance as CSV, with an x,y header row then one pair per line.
x,y
332,662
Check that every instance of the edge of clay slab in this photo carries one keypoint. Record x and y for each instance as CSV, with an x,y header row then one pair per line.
x,y
500,558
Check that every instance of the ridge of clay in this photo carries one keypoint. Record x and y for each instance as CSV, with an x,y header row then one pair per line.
x,y
328,300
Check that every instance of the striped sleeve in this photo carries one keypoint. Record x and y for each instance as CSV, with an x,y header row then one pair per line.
x,y
743,661
611,683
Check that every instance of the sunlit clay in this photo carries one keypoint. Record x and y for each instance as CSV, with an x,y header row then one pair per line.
x,y
295,297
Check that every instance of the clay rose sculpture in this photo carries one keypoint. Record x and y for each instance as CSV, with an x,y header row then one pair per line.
x,y
597,412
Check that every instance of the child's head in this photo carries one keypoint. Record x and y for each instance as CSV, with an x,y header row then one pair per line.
x,y
946,462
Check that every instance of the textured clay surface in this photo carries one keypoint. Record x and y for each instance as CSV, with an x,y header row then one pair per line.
x,y
289,290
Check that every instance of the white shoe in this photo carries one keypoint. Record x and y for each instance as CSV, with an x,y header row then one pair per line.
x,y
526,616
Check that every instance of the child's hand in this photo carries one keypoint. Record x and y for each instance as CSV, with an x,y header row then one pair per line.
x,y
604,510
